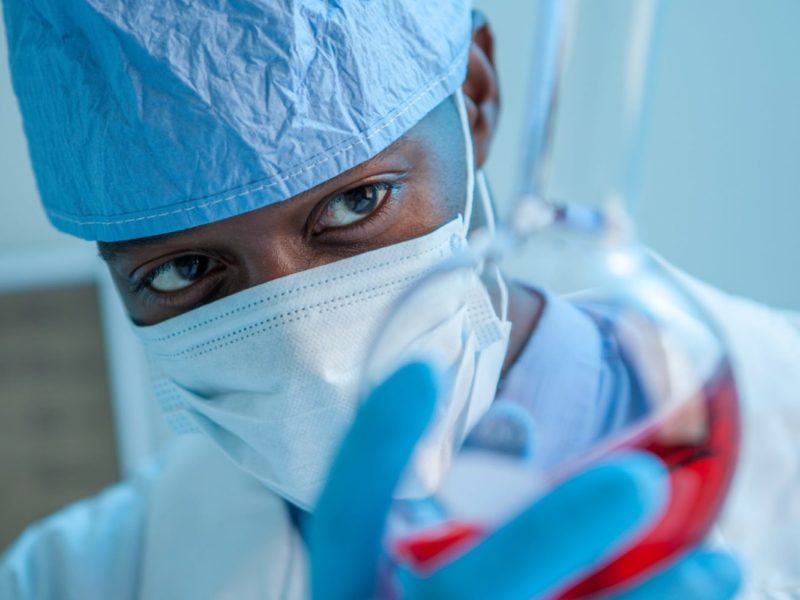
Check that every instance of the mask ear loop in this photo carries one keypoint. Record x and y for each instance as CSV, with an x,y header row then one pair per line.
x,y
469,151
474,178
485,199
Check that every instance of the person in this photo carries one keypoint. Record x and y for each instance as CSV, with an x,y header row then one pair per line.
x,y
264,179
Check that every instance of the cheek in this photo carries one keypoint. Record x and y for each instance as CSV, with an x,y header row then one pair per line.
x,y
427,210
439,193
444,200
135,311
445,163
445,193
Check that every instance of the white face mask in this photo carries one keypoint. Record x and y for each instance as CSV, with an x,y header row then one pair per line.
x,y
272,374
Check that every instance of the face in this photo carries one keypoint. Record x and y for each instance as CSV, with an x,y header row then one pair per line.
x,y
411,188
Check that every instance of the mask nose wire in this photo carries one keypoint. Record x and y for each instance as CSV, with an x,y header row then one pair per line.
x,y
461,106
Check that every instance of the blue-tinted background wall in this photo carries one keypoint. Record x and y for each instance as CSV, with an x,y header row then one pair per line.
x,y
721,186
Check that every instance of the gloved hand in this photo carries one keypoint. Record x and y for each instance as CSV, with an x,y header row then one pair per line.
x,y
560,536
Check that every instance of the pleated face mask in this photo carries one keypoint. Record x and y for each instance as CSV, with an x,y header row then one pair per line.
x,y
272,374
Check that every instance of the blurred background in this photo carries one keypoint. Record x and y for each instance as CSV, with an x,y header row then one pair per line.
x,y
720,199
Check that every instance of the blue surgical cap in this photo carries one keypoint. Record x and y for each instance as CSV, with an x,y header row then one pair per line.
x,y
145,117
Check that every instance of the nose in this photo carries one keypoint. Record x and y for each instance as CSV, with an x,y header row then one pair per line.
x,y
271,258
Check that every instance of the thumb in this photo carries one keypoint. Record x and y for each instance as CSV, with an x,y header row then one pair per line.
x,y
346,530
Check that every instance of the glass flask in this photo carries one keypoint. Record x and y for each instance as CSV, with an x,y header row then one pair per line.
x,y
573,236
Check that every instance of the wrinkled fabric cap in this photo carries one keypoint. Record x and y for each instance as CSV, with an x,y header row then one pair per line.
x,y
145,117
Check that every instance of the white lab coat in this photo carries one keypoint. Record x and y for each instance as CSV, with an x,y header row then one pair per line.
x,y
196,527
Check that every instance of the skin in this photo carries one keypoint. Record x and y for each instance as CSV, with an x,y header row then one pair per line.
x,y
413,187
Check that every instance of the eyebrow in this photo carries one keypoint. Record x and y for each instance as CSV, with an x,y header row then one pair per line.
x,y
110,251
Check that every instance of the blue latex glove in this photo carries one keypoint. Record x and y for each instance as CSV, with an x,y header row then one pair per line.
x,y
557,538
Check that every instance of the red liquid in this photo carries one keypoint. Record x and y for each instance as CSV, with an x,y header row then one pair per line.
x,y
700,468
423,549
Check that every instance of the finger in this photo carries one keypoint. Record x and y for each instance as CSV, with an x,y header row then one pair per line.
x,y
558,538
702,575
346,529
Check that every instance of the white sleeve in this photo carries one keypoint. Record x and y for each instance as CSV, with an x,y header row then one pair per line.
x,y
89,550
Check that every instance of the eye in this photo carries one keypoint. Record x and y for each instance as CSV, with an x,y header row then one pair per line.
x,y
179,273
352,206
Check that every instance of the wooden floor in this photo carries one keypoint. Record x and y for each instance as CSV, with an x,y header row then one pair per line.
x,y
56,435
